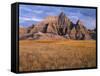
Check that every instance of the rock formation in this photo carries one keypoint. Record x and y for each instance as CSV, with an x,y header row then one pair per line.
x,y
57,27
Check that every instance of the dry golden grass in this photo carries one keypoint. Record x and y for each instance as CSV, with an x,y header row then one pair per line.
x,y
58,54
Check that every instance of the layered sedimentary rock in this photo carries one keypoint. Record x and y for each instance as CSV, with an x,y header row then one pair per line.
x,y
57,27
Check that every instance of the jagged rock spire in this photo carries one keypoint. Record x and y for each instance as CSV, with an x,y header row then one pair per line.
x,y
61,23
61,19
79,22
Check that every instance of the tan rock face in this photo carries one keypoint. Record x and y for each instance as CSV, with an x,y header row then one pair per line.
x,y
57,27
22,31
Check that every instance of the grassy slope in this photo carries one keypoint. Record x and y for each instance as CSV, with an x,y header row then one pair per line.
x,y
46,54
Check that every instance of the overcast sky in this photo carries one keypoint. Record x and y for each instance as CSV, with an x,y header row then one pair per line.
x,y
31,14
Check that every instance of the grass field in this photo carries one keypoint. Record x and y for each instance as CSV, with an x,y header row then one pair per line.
x,y
58,54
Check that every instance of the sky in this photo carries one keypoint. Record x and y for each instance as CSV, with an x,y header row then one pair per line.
x,y
32,14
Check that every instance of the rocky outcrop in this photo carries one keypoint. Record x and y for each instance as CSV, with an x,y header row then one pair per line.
x,y
81,31
47,36
92,33
22,32
58,27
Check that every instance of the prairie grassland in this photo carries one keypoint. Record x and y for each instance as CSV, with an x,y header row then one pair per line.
x,y
56,54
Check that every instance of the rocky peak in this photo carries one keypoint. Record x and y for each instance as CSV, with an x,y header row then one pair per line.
x,y
62,14
79,25
79,22
62,17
